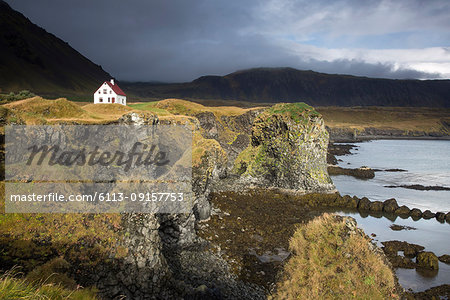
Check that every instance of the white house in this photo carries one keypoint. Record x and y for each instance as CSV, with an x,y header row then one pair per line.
x,y
109,92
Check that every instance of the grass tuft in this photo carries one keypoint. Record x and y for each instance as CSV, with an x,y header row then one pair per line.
x,y
12,287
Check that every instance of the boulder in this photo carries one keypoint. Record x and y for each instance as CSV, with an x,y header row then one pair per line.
x,y
376,206
427,260
445,258
402,210
364,204
440,216
447,217
428,214
416,213
390,205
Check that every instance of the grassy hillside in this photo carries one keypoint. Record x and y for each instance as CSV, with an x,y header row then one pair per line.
x,y
406,119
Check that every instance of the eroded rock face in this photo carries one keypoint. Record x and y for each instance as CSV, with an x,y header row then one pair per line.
x,y
281,147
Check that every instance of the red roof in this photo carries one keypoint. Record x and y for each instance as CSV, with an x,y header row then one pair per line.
x,y
115,88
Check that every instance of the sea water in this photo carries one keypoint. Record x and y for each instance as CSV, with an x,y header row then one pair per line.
x,y
427,162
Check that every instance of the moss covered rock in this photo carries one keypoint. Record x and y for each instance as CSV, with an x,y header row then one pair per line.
x,y
376,206
428,214
427,260
416,213
440,216
390,205
364,204
402,211
288,150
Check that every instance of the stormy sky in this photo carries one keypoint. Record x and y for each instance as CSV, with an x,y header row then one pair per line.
x,y
180,40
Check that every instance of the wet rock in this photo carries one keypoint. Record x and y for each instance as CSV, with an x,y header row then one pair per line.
x,y
402,210
364,204
353,202
427,260
416,213
445,258
409,250
428,214
390,205
420,187
395,170
398,261
396,227
376,206
447,217
360,173
342,201
440,216
437,292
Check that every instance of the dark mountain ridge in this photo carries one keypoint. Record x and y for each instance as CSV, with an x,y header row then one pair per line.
x,y
33,59
291,85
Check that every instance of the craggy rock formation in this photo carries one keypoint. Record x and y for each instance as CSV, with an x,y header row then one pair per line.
x,y
287,150
280,147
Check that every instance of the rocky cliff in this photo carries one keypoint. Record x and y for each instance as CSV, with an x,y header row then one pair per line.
x,y
282,147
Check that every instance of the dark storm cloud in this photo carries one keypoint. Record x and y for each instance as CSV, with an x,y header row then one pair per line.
x,y
179,40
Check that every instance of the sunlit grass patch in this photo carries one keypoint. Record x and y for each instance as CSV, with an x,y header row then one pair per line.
x,y
328,262
12,287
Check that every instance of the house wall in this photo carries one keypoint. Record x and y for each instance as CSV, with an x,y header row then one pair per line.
x,y
122,100
107,98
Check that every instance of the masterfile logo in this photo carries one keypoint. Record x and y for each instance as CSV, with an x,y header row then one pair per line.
x,y
98,168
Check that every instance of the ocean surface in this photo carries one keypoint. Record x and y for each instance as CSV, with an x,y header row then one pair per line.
x,y
427,162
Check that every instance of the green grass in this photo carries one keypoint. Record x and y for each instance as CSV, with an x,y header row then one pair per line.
x,y
25,94
296,111
330,263
12,287
150,106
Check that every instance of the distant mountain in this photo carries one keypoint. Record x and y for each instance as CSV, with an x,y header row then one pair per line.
x,y
33,59
291,85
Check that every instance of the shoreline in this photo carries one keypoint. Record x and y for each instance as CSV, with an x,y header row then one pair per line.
x,y
367,138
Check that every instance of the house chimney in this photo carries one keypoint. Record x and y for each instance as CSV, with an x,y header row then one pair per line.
x,y
112,81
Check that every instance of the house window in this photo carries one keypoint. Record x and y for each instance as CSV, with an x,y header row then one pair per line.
x,y
100,99
104,91
110,92
99,92
108,99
